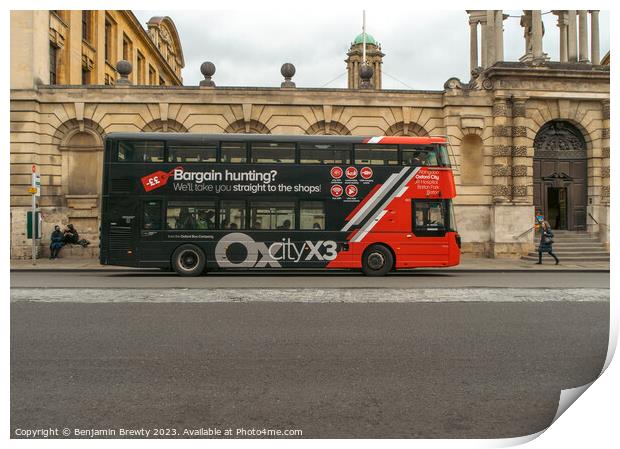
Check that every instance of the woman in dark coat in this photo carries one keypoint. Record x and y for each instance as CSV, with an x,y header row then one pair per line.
x,y
56,242
546,243
71,235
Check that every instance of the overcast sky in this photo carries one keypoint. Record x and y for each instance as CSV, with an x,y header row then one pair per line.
x,y
249,47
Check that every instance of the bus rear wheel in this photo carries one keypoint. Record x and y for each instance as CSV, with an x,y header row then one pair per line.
x,y
188,260
377,261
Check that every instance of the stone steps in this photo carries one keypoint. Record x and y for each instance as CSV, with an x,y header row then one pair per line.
x,y
573,246
574,253
567,259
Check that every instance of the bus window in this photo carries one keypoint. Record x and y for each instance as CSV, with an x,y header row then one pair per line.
x,y
152,215
192,153
232,215
444,157
274,153
233,153
312,215
270,215
324,154
376,154
190,215
429,215
419,155
140,151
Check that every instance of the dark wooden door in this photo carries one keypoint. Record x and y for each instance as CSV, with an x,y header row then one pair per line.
x,y
560,163
569,174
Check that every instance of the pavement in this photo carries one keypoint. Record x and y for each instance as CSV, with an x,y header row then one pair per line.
x,y
467,264
241,284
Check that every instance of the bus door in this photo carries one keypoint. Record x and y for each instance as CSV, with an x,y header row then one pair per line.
x,y
430,224
122,228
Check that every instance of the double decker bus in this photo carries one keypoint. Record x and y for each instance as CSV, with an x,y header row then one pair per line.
x,y
194,203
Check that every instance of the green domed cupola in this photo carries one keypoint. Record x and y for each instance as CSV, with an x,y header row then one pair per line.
x,y
359,39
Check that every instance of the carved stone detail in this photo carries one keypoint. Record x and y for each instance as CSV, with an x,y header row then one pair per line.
x,y
501,170
500,109
519,131
500,190
519,170
606,110
605,133
605,191
605,172
519,151
605,152
559,140
519,191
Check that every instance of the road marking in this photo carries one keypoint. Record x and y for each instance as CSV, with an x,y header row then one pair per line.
x,y
310,295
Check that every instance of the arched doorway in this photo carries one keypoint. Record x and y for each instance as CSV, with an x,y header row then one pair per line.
x,y
560,175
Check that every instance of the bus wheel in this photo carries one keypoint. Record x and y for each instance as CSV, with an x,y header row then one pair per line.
x,y
188,260
377,261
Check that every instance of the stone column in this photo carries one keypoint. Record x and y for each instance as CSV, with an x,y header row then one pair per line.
x,y
605,154
509,221
483,45
522,154
499,35
473,44
583,36
596,51
563,26
537,49
491,55
572,36
502,144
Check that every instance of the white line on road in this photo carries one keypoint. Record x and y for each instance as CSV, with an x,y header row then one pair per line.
x,y
303,295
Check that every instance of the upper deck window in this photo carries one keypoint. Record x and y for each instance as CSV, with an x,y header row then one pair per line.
x,y
324,154
178,152
140,151
272,152
234,152
419,155
376,154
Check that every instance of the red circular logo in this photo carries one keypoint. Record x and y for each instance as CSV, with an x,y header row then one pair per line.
x,y
351,172
351,191
336,190
366,172
336,172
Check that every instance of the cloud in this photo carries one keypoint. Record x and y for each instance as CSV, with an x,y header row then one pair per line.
x,y
423,48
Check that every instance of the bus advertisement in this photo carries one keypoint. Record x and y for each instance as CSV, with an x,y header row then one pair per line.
x,y
196,203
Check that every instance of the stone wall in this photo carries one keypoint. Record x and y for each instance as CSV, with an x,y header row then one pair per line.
x,y
491,124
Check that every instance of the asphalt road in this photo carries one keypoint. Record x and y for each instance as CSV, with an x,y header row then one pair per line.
x,y
411,279
410,369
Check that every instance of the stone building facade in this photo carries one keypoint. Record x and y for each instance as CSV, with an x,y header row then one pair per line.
x,y
521,134
74,47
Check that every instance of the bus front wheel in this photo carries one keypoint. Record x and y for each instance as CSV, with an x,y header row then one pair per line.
x,y
377,261
188,260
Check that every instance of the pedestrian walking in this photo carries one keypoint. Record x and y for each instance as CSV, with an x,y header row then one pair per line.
x,y
546,243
